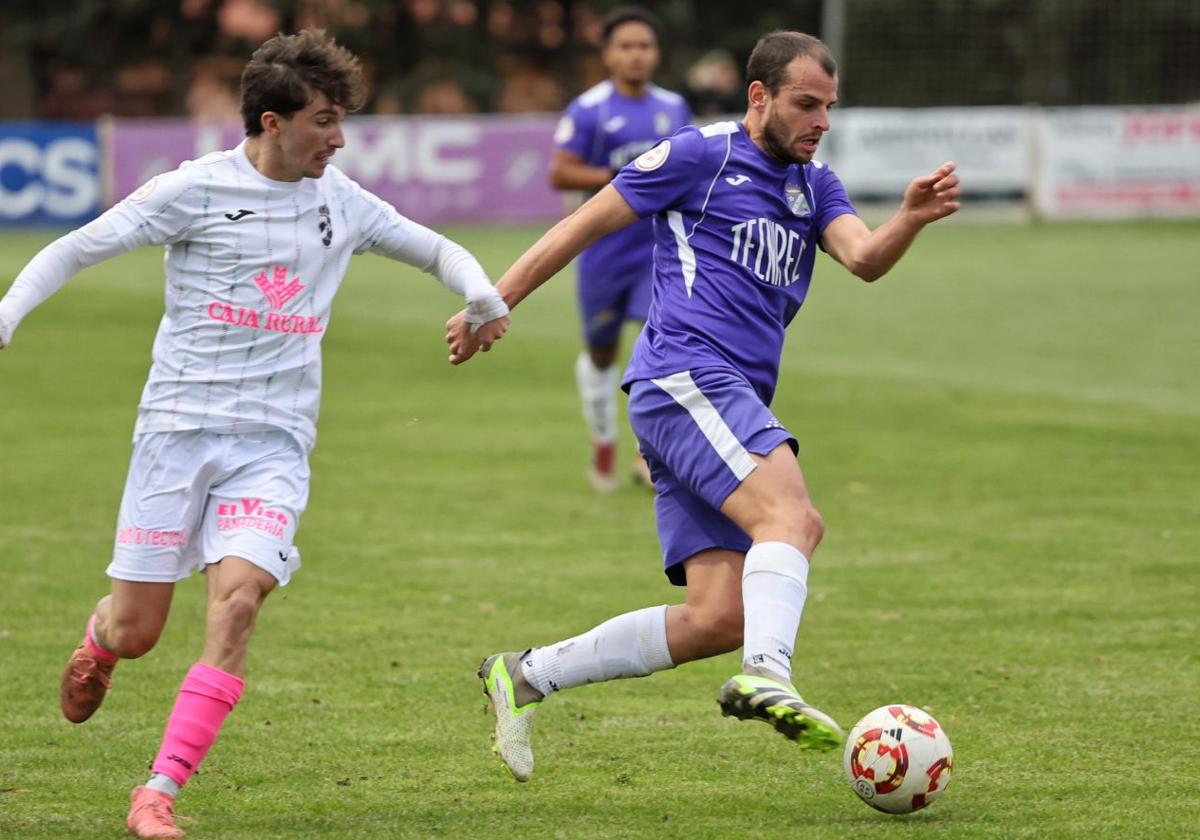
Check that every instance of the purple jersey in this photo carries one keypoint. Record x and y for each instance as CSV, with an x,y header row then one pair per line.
x,y
609,129
736,235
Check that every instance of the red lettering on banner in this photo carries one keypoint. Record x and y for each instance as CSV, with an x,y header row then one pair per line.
x,y
1161,128
1147,195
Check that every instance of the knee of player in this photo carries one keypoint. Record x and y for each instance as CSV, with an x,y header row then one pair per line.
x,y
723,627
131,640
237,610
809,521
795,520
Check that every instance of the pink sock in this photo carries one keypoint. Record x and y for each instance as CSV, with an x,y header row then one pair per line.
x,y
206,697
89,639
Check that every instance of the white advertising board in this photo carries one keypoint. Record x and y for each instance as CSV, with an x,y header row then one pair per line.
x,y
1118,162
879,151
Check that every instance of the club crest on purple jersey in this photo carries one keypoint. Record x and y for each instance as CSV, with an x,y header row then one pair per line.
x,y
797,201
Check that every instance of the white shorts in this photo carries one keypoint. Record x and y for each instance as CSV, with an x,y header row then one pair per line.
x,y
194,497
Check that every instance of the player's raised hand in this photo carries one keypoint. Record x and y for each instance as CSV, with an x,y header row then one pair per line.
x,y
933,196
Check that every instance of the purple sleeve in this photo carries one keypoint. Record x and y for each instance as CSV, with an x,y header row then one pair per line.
x,y
662,177
830,196
576,130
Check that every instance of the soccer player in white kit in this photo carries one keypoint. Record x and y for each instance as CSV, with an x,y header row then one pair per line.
x,y
257,242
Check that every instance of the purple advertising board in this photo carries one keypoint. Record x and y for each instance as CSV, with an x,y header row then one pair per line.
x,y
434,169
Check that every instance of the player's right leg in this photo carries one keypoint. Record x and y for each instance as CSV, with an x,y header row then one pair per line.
x,y
633,644
596,380
602,297
157,514
126,624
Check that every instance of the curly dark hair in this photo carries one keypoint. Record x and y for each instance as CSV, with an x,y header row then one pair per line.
x,y
286,72
776,50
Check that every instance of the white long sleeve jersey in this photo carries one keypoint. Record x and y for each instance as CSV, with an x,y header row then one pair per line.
x,y
252,267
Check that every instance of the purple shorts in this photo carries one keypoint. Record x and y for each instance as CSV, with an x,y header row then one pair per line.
x,y
696,430
609,298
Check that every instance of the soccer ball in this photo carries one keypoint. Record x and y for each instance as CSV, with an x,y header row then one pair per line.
x,y
898,759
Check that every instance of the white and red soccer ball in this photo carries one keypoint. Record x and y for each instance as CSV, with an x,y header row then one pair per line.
x,y
898,759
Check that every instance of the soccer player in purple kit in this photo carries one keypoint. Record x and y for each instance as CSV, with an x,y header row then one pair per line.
x,y
738,209
602,130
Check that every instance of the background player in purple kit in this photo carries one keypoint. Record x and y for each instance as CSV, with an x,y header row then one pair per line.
x,y
738,209
602,130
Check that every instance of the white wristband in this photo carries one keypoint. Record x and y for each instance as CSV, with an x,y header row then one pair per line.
x,y
484,309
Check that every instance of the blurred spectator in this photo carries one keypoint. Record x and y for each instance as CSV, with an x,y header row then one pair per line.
x,y
213,95
529,88
445,96
143,88
251,20
714,85
72,95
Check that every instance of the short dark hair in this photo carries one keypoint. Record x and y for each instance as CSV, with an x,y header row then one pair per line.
x,y
776,50
286,72
627,14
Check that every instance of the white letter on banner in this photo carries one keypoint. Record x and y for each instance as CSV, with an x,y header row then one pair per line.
x,y
68,170
208,139
26,154
388,157
433,138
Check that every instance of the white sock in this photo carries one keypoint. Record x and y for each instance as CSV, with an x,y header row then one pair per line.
x,y
163,784
598,395
774,587
631,645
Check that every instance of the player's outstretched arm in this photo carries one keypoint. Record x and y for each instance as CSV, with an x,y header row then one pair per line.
x,y
53,266
870,254
604,213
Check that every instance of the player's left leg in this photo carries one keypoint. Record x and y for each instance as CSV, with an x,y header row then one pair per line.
x,y
773,507
210,690
717,451
637,309
248,526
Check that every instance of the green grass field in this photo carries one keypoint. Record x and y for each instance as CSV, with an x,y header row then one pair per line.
x,y
1003,437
